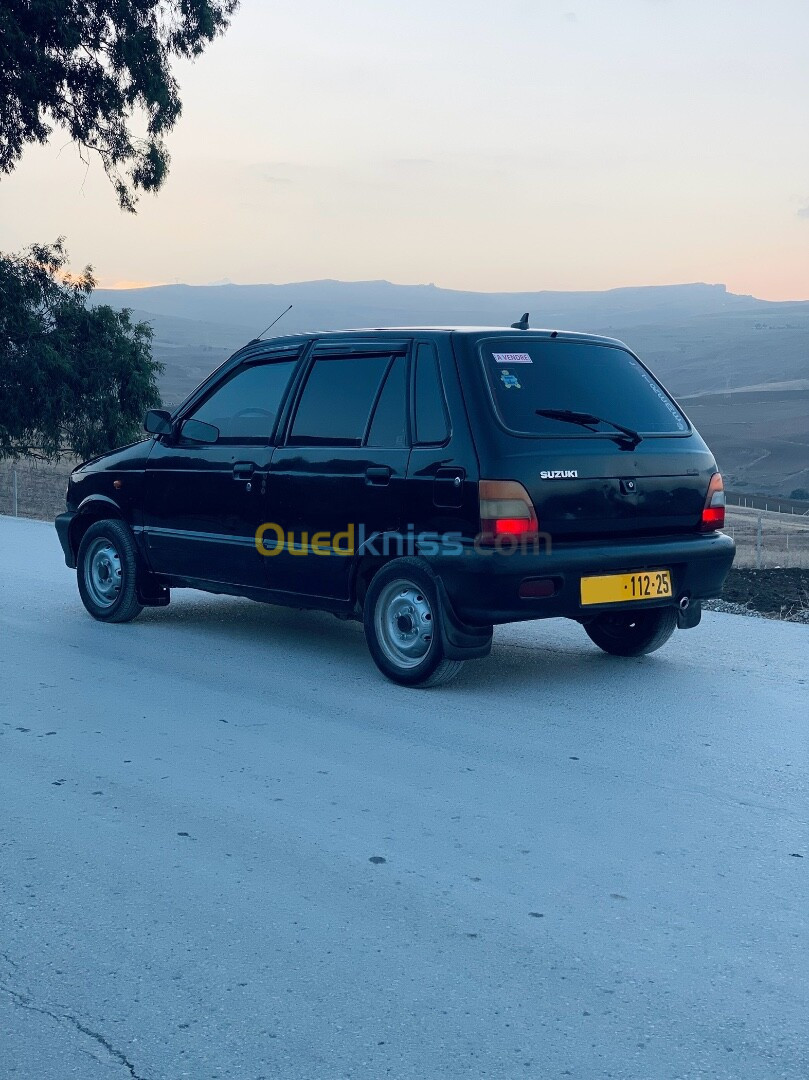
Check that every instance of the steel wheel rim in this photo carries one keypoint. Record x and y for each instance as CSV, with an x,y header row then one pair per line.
x,y
103,574
404,624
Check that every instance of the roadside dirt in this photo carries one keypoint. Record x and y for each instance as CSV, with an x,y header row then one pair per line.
x,y
779,594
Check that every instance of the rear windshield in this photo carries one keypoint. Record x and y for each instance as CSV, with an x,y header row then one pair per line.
x,y
600,380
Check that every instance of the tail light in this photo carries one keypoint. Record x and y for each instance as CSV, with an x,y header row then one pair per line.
x,y
506,510
713,514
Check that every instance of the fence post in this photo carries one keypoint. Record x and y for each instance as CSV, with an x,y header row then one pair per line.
x,y
758,544
14,474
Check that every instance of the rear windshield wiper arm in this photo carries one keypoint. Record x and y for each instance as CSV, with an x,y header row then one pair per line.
x,y
627,434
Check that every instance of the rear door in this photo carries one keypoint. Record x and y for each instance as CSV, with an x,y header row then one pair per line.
x,y
338,480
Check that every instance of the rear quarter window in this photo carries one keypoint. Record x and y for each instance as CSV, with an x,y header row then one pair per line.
x,y
602,380
432,419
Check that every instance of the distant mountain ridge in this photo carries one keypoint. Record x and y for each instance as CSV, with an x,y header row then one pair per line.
x,y
341,304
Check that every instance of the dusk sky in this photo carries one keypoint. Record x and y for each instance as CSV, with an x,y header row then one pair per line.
x,y
523,144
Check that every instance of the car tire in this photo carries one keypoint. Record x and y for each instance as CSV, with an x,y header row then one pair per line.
x,y
632,633
106,569
401,618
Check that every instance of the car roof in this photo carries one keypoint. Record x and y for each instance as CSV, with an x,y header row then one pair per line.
x,y
466,331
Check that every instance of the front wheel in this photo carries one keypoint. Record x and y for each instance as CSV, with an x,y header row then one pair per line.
x,y
400,616
632,633
106,569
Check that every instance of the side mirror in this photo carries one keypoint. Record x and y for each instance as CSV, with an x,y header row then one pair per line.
x,y
199,432
157,422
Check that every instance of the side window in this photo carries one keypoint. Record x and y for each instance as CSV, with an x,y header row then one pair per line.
x,y
245,408
337,400
389,423
432,418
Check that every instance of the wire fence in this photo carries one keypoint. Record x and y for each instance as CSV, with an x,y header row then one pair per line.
x,y
33,489
770,503
767,540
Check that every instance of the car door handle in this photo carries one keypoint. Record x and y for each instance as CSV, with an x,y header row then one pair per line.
x,y
243,470
379,476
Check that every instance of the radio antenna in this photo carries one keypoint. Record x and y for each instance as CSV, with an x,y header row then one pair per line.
x,y
272,324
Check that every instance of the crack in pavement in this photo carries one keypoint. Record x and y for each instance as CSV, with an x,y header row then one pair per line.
x,y
9,961
24,1002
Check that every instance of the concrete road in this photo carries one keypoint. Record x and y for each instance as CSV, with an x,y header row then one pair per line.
x,y
229,849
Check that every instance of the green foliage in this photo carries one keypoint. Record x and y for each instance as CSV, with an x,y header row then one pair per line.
x,y
799,493
90,67
73,379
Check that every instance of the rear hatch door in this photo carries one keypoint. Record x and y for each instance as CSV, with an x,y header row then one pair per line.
x,y
587,478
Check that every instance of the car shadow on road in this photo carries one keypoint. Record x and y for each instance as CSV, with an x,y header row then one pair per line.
x,y
549,654
259,630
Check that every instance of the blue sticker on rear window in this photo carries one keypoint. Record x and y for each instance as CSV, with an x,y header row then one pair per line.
x,y
509,381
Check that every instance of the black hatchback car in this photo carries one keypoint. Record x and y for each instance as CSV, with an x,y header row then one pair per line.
x,y
431,482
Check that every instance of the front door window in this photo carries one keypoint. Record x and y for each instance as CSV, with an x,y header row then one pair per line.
x,y
245,407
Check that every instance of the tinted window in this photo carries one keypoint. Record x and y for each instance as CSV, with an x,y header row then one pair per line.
x,y
599,380
432,425
246,406
337,400
389,423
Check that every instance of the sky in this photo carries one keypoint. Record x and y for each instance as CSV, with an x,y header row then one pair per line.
x,y
509,145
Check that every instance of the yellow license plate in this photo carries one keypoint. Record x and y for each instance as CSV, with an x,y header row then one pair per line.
x,y
624,588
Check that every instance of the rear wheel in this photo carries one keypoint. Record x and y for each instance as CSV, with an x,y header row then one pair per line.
x,y
632,633
106,570
400,616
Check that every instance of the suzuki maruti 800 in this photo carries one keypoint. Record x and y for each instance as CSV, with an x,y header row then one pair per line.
x,y
431,482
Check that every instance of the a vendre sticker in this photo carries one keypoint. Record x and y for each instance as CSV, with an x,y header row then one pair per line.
x,y
512,358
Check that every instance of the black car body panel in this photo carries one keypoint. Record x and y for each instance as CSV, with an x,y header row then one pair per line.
x,y
407,468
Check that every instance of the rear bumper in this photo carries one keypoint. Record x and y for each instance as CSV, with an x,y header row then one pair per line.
x,y
484,587
63,523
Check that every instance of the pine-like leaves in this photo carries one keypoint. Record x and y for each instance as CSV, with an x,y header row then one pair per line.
x,y
89,67
73,379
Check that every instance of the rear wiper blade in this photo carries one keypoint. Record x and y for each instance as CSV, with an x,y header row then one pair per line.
x,y
588,420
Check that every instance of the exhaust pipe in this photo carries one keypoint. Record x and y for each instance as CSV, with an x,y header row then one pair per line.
x,y
688,614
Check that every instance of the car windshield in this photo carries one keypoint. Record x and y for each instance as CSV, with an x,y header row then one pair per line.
x,y
534,384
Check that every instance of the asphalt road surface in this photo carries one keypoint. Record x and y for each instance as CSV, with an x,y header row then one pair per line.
x,y
230,849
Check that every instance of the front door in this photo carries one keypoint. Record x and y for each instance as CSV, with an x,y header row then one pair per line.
x,y
204,503
339,479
